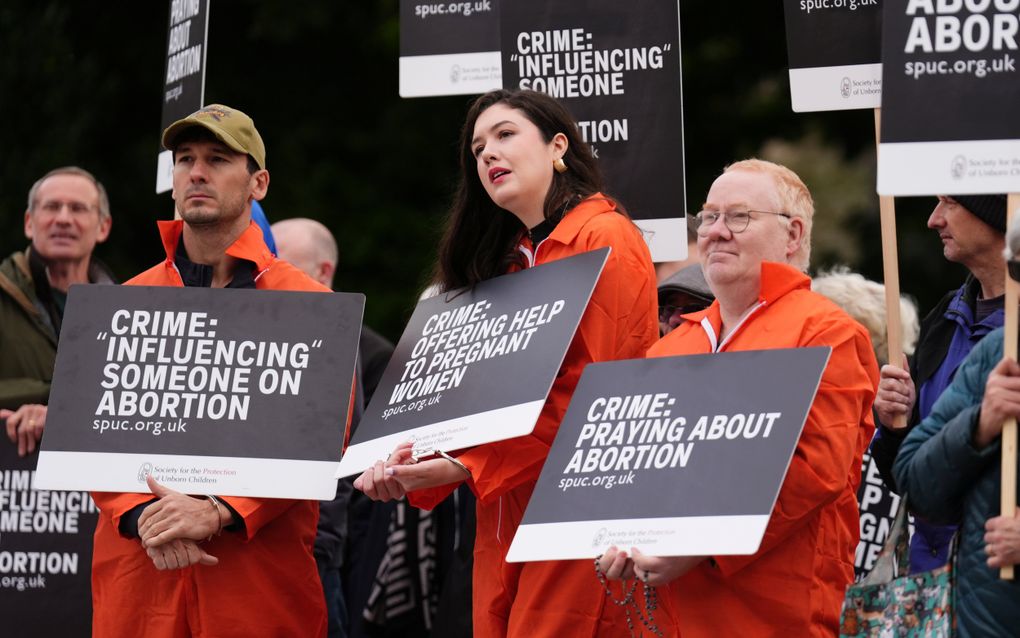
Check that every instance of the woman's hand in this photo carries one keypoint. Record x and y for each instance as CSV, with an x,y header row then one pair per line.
x,y
616,565
424,474
654,570
400,473
378,483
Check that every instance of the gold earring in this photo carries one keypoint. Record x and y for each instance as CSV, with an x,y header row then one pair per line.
x,y
560,165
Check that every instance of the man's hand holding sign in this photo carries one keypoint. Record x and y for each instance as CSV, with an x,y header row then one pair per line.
x,y
896,395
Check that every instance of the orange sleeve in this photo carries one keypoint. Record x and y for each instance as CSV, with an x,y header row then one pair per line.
x,y
428,498
822,465
258,512
117,504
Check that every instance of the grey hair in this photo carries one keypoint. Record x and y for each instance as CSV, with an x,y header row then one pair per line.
x,y
864,301
104,201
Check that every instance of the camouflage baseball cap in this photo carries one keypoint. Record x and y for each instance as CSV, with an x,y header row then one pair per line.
x,y
230,126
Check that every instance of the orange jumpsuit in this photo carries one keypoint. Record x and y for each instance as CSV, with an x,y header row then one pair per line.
x,y
556,599
266,583
794,584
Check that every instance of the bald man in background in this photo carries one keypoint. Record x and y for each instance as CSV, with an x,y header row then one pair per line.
x,y
311,247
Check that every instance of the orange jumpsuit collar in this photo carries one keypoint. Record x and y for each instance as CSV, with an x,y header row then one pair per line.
x,y
249,246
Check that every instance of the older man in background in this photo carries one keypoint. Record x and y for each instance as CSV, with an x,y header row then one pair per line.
x,y
68,214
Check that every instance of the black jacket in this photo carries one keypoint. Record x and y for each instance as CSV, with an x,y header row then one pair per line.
x,y
932,345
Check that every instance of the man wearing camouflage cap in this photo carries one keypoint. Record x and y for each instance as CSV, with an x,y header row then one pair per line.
x,y
153,573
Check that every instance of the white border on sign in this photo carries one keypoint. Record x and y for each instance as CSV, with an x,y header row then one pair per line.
x,y
684,536
453,434
666,238
120,472
164,172
450,74
836,88
956,168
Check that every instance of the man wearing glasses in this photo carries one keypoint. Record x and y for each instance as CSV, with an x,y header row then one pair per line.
x,y
683,292
68,214
754,240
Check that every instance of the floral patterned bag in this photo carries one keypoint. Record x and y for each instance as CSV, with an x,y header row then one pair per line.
x,y
891,602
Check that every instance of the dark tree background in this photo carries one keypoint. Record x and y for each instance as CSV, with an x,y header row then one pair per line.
x,y
80,84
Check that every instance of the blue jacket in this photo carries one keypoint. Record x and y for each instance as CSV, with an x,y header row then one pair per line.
x,y
947,480
947,335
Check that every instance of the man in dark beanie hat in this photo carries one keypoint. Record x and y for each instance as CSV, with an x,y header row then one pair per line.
x,y
972,229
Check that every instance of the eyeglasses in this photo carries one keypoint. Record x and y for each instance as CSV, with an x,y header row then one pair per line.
x,y
735,220
665,312
53,207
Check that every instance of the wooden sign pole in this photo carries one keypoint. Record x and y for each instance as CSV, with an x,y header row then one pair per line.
x,y
1008,490
891,274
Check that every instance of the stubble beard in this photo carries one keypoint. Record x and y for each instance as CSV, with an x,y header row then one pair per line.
x,y
204,217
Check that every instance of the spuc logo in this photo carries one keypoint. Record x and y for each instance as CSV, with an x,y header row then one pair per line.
x,y
455,73
600,538
143,471
844,87
959,167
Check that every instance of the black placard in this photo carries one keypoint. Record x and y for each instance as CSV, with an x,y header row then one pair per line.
x,y
616,66
217,388
950,88
835,54
187,42
184,66
646,453
45,554
476,366
878,506
449,48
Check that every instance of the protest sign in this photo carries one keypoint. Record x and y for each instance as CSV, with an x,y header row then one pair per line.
x,y
950,87
616,66
449,48
835,54
878,506
231,392
646,455
183,73
476,365
45,553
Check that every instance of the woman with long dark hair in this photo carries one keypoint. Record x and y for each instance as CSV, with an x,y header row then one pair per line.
x,y
530,193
